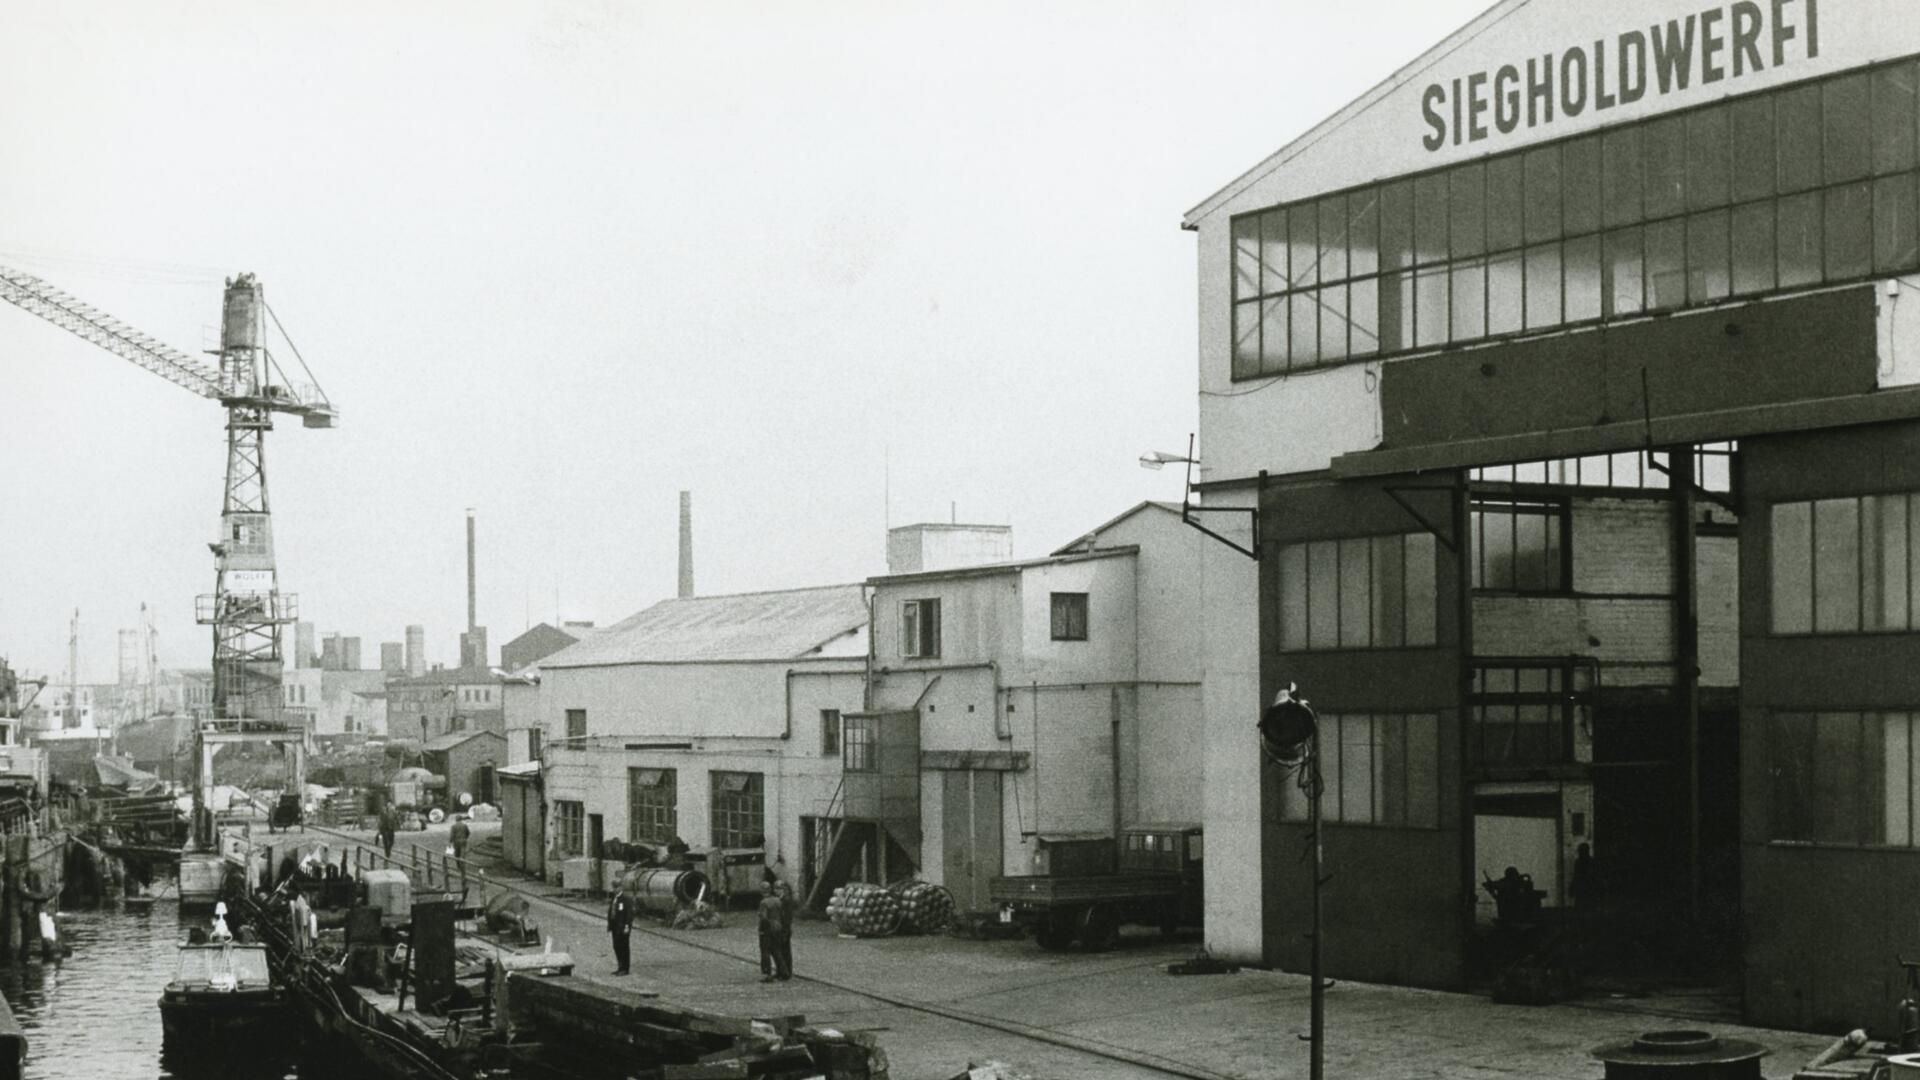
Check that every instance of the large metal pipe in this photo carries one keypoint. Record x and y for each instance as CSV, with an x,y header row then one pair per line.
x,y
666,890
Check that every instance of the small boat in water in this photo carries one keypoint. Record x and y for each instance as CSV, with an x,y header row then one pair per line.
x,y
222,993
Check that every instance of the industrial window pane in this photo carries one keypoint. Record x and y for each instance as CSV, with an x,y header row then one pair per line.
x,y
1363,231
1469,300
1707,157
1543,286
1836,565
1333,238
1870,782
1422,599
1792,540
1273,335
1363,315
1913,561
1390,770
1274,258
1333,323
1396,226
1797,238
1303,246
653,805
1493,535
1896,750
1356,768
1396,312
1431,306
1580,185
1356,599
1625,270
1246,257
1423,771
1620,177
1581,278
1849,231
1504,294
1542,194
1797,137
1467,207
1663,155
1752,247
1068,616
1707,269
1834,797
1666,264
1847,124
1894,110
1305,335
1895,245
1790,751
1883,562
1389,592
1246,339
1323,595
1293,596
1430,218
1751,141
1503,203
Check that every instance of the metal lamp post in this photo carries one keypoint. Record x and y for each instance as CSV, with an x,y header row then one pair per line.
x,y
1290,736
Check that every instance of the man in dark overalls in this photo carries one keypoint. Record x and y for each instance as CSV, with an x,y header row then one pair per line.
x,y
620,924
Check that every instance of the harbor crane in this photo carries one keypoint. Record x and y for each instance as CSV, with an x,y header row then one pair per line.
x,y
246,608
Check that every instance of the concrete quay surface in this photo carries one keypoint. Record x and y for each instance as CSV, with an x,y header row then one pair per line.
x,y
938,1003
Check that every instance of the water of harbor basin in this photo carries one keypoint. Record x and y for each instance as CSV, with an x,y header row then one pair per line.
x,y
95,1015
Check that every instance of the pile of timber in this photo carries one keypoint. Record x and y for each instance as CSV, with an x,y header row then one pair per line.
x,y
617,1032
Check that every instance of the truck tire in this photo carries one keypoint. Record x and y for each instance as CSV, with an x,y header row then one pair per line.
x,y
1100,927
1055,932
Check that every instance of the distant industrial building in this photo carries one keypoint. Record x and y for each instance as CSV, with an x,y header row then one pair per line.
x,y
393,657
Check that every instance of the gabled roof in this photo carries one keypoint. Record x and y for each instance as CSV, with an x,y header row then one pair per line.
x,y
1151,504
783,625
460,676
454,738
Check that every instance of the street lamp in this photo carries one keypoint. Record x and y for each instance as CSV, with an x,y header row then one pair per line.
x,y
1156,459
1290,737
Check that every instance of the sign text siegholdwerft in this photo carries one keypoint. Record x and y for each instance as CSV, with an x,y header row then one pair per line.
x,y
1724,42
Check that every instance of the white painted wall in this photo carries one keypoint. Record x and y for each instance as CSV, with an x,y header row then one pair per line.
x,y
1230,706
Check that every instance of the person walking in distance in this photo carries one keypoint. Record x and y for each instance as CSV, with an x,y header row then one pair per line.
x,y
776,933
389,824
458,836
620,924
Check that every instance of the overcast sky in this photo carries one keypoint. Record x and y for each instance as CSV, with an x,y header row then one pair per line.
x,y
559,261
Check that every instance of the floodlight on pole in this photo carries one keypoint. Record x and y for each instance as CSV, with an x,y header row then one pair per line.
x,y
1290,737
1157,459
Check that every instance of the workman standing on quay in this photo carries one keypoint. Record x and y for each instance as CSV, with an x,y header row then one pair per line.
x,y
389,824
620,911
776,933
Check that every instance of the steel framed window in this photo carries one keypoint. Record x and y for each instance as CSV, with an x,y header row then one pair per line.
x,y
1369,592
1069,616
1848,565
739,809
569,827
1521,545
920,629
653,805
860,751
1844,778
829,732
1810,183
1379,769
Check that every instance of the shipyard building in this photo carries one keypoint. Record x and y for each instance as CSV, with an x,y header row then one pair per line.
x,y
1571,376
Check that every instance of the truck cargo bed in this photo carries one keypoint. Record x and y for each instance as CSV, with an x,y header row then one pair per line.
x,y
1049,890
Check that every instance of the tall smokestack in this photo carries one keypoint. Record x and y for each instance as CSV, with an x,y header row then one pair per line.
x,y
472,621
686,544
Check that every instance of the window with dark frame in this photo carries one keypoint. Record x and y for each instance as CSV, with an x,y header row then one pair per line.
x,y
576,723
1069,616
1521,545
920,629
739,809
569,827
1844,778
1523,714
1369,592
534,749
859,752
1844,566
1777,189
829,732
1633,469
653,805
1378,769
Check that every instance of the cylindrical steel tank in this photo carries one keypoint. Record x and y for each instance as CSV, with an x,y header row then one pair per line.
x,y
1681,1055
240,320
665,890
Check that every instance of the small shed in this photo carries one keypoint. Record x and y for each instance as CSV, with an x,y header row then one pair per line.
x,y
523,816
468,760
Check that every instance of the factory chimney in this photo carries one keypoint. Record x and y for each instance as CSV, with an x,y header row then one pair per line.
x,y
472,621
686,544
